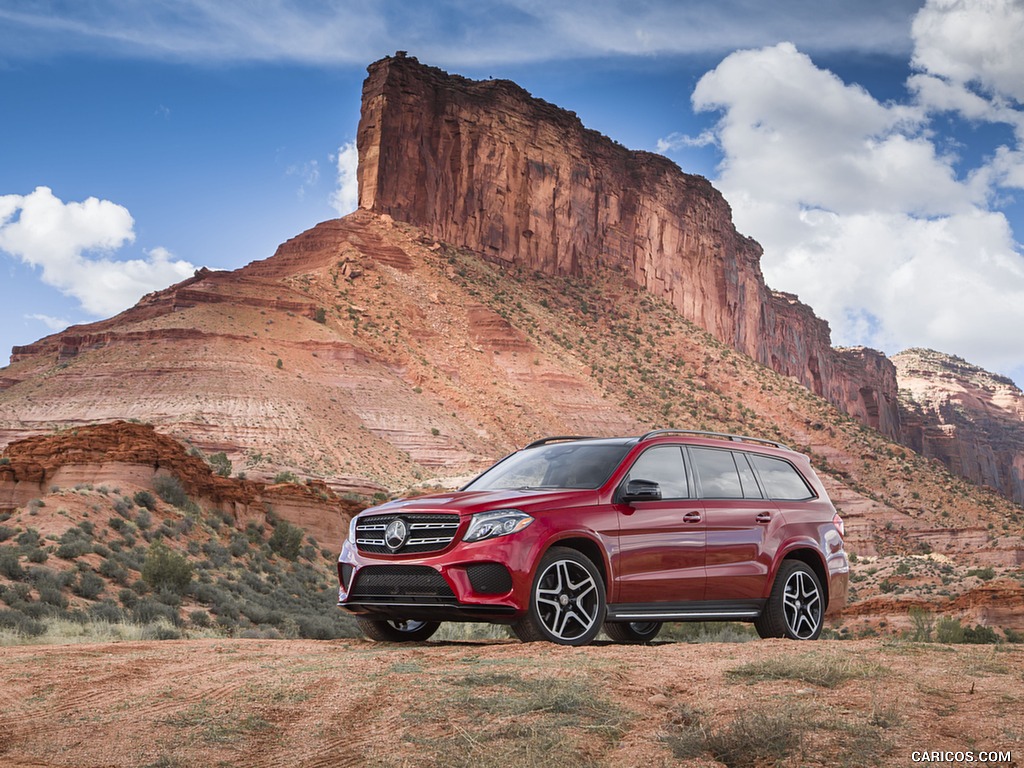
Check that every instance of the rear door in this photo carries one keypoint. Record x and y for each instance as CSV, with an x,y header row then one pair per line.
x,y
661,543
738,521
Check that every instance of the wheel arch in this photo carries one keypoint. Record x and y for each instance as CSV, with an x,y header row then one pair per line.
x,y
589,548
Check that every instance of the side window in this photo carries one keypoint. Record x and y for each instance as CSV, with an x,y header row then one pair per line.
x,y
663,465
781,480
717,471
747,480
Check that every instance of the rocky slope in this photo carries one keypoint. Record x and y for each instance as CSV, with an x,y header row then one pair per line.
x,y
518,180
967,418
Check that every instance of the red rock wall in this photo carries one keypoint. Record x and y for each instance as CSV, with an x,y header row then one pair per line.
x,y
485,166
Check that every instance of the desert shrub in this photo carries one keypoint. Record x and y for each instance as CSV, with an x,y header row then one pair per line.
x,y
30,538
143,520
20,623
106,610
74,542
221,464
949,630
158,631
985,574
923,623
286,540
113,570
170,489
6,532
286,477
145,499
217,554
128,598
52,596
123,507
166,569
979,635
89,585
148,611
200,619
17,593
10,564
37,555
239,545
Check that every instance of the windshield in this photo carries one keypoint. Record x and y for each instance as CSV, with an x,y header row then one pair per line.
x,y
560,465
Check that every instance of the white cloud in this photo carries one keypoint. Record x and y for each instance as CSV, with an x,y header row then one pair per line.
x,y
346,197
53,323
973,42
446,32
72,244
860,213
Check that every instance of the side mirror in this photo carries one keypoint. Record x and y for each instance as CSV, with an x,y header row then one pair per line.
x,y
641,490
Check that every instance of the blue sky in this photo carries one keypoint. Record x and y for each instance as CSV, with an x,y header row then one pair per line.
x,y
874,148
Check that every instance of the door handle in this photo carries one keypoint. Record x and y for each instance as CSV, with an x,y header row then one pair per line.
x,y
691,517
764,517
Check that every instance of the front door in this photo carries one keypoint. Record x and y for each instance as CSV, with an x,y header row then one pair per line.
x,y
660,557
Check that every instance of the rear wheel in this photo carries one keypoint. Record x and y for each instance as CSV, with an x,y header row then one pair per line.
x,y
796,606
567,600
405,631
633,631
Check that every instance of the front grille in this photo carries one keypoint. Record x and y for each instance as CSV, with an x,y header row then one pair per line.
x,y
489,578
427,533
408,582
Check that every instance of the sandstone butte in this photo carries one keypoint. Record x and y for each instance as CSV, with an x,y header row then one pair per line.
x,y
511,274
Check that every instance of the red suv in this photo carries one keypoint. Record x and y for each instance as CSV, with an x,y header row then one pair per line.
x,y
571,535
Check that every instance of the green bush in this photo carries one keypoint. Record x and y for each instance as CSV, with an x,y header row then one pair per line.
x,y
170,489
89,585
286,540
221,464
6,532
75,542
166,570
10,564
145,499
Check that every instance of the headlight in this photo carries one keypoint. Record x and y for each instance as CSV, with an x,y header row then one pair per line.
x,y
500,522
352,530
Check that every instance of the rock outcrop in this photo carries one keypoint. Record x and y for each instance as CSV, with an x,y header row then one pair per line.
x,y
484,165
135,454
967,418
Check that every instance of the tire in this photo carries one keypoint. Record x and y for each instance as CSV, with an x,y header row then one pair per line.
x,y
567,600
397,631
632,631
796,606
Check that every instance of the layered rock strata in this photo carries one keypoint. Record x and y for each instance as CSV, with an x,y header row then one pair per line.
x,y
967,418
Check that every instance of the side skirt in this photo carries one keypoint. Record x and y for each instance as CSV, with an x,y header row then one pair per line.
x,y
720,610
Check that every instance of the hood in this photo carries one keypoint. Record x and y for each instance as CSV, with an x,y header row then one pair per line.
x,y
471,502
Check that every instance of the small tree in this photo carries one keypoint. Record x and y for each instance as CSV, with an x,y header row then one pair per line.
x,y
166,569
221,464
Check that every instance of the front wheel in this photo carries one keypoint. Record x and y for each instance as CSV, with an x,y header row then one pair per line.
x,y
567,600
632,631
796,606
397,631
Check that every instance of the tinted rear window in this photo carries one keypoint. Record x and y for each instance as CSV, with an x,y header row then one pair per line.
x,y
719,478
781,479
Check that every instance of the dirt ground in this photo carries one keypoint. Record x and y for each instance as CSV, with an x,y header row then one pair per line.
x,y
355,703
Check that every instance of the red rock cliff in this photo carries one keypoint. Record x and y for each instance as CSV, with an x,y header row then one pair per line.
x,y
486,166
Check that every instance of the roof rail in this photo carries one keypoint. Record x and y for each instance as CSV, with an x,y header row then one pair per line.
x,y
723,435
556,438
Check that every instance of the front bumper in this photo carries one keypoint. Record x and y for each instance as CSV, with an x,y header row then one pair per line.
x,y
480,582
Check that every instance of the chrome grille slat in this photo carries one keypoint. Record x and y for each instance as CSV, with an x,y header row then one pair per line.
x,y
430,532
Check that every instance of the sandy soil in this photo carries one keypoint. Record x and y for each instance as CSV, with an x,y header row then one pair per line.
x,y
355,703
